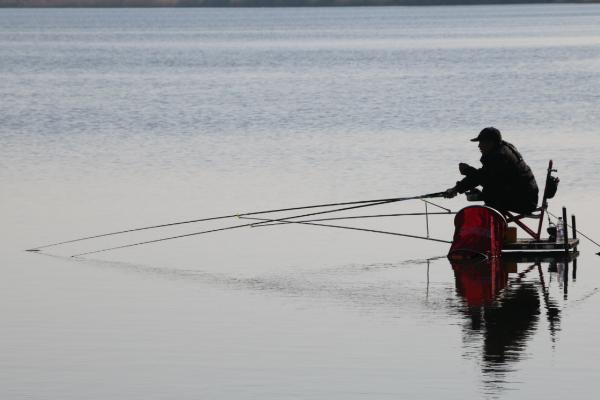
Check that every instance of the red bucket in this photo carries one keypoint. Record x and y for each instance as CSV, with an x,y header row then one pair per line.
x,y
478,232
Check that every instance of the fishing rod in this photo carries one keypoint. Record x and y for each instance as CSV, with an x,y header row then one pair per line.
x,y
226,228
352,217
385,201
354,229
393,199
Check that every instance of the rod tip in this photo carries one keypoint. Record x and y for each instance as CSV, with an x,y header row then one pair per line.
x,y
32,250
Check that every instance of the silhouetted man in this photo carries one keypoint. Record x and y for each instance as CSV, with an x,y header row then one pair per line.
x,y
507,181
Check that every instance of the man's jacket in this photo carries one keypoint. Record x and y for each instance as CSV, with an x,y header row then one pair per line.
x,y
507,181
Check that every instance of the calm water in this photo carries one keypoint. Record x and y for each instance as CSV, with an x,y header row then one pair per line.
x,y
113,119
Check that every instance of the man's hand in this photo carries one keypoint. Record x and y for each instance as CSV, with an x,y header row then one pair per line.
x,y
464,168
450,193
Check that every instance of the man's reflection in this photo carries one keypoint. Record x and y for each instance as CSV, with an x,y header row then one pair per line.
x,y
503,304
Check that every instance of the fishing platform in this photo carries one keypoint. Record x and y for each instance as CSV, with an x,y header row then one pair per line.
x,y
526,245
484,231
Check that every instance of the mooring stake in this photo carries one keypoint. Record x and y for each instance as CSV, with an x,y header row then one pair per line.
x,y
565,229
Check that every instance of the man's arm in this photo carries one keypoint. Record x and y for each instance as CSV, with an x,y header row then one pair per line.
x,y
472,179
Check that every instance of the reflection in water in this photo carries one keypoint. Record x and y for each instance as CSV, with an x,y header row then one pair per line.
x,y
503,305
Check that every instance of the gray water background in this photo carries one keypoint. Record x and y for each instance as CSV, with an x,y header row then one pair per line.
x,y
116,118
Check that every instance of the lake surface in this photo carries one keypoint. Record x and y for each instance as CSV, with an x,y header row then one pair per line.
x,y
119,118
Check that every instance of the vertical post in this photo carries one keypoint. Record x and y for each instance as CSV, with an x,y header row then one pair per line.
x,y
574,233
426,218
565,228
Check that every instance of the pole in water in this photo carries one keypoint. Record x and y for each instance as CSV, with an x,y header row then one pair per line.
x,y
426,218
565,229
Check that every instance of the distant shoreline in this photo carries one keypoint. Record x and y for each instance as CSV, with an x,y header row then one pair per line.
x,y
265,3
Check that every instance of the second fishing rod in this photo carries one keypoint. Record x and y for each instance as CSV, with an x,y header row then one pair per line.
x,y
157,226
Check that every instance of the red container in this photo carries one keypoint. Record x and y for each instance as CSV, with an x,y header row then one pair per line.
x,y
478,233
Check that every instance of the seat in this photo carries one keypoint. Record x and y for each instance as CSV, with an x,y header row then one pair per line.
x,y
550,188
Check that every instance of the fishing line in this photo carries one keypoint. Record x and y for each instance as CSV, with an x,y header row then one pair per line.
x,y
439,194
355,217
249,224
355,229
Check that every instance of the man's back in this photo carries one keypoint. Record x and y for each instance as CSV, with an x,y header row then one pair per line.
x,y
505,175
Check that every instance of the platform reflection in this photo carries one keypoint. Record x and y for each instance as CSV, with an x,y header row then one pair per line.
x,y
504,303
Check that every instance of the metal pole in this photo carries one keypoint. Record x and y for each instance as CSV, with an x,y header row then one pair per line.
x,y
565,229
426,219
574,233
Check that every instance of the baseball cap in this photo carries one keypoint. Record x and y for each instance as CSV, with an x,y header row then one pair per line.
x,y
489,134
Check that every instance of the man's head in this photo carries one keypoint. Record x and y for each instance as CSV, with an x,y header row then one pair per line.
x,y
489,138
